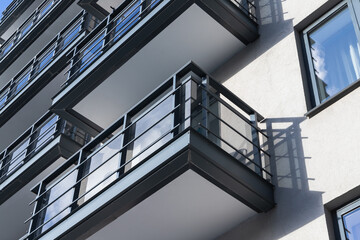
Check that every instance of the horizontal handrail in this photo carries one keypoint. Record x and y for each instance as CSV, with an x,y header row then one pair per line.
x,y
32,20
42,59
170,109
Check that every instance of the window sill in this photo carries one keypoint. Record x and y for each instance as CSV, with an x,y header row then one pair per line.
x,y
333,99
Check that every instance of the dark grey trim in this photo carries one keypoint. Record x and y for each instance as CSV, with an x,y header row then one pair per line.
x,y
239,23
65,148
93,8
11,18
34,33
333,99
199,155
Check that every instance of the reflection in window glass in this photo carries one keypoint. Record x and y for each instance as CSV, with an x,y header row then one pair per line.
x,y
109,154
128,19
46,60
147,142
352,224
91,52
3,100
26,29
17,157
46,8
71,36
46,132
335,54
7,49
22,82
60,207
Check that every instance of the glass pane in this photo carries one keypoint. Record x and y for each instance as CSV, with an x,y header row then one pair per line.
x,y
46,132
150,138
7,49
22,82
17,157
103,175
3,100
46,60
352,224
26,29
71,36
128,19
336,54
46,8
92,52
60,207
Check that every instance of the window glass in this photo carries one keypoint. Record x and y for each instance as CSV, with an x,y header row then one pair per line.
x,y
71,36
7,49
348,218
46,8
26,29
46,132
46,60
17,157
334,54
22,82
3,100
91,52
128,19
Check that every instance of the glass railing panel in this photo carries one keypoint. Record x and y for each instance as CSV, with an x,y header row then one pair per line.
x,y
59,205
46,132
100,169
127,19
16,159
21,82
26,27
189,103
45,57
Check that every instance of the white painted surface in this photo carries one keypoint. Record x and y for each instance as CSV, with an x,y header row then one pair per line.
x,y
192,36
189,207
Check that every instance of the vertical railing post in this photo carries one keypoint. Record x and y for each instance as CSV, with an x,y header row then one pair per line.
x,y
205,104
256,142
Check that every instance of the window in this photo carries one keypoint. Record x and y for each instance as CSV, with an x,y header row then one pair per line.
x,y
348,219
333,52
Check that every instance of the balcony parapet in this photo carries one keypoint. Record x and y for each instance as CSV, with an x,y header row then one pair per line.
x,y
30,80
12,12
45,141
30,29
189,105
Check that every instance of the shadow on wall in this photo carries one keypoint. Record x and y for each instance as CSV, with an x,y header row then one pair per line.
x,y
272,29
296,204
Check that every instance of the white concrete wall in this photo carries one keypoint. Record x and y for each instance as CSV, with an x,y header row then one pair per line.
x,y
313,160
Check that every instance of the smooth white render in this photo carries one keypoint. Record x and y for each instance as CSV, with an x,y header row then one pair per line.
x,y
194,35
189,207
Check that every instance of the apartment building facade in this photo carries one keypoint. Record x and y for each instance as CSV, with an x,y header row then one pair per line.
x,y
179,119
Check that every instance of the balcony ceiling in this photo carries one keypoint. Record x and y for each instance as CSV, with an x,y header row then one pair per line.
x,y
189,207
194,35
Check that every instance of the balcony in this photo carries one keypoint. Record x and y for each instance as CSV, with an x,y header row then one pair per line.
x,y
43,67
46,143
188,157
31,29
151,40
12,12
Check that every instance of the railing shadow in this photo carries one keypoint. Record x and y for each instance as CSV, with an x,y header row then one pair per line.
x,y
296,205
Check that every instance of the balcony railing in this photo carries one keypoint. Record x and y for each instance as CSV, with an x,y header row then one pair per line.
x,y
81,23
10,9
37,16
188,101
33,140
117,26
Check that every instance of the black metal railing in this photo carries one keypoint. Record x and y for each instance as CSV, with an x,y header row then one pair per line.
x,y
33,140
117,26
37,16
10,9
247,6
188,101
81,23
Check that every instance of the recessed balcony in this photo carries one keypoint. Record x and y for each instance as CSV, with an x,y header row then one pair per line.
x,y
12,12
45,66
189,157
30,29
143,42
